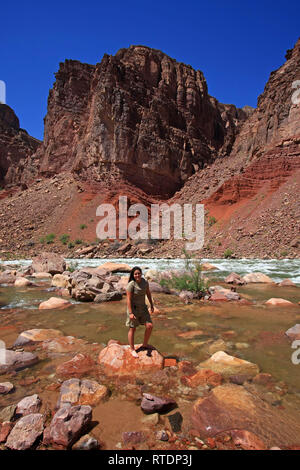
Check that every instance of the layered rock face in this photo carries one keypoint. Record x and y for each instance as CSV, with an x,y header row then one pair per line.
x,y
138,114
15,148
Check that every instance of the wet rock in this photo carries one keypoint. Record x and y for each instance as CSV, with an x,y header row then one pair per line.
x,y
25,433
152,419
247,440
162,435
36,335
28,405
60,280
239,379
78,366
52,263
190,334
22,282
186,296
17,361
6,387
7,278
227,365
278,302
7,413
5,429
220,293
208,267
63,344
106,297
286,283
294,332
42,275
115,267
86,442
117,359
54,303
230,407
133,437
263,379
257,277
153,404
215,346
175,421
84,392
152,275
234,278
242,345
67,425
202,377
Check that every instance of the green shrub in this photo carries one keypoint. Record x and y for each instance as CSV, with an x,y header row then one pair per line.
x,y
228,253
50,238
72,266
191,280
212,220
64,238
82,226
42,240
78,241
284,253
71,245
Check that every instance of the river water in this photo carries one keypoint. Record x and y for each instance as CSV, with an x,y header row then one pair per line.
x,y
254,332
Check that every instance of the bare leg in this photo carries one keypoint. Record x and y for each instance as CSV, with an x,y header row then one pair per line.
x,y
148,331
131,332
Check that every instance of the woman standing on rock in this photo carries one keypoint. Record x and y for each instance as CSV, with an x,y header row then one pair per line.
x,y
137,311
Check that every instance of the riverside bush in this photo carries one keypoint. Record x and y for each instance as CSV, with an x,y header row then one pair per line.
x,y
191,280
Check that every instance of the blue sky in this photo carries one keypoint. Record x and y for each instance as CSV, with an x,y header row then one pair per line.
x,y
235,43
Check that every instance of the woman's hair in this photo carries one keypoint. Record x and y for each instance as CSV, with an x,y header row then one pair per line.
x,y
131,278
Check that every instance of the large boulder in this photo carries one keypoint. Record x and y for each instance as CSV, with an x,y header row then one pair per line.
x,y
81,392
227,365
22,282
36,335
229,407
52,263
234,278
115,267
108,296
63,344
54,303
25,433
116,359
67,425
60,280
221,293
257,277
286,283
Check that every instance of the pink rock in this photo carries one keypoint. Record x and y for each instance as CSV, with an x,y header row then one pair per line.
x,y
25,432
278,302
117,359
152,404
28,405
5,429
67,425
54,302
78,366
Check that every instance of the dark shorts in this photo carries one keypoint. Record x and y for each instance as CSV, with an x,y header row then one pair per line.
x,y
142,317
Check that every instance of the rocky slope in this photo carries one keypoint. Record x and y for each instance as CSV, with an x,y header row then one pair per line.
x,y
15,148
142,125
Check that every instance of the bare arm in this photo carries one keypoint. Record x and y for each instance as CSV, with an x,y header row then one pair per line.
x,y
148,293
129,304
